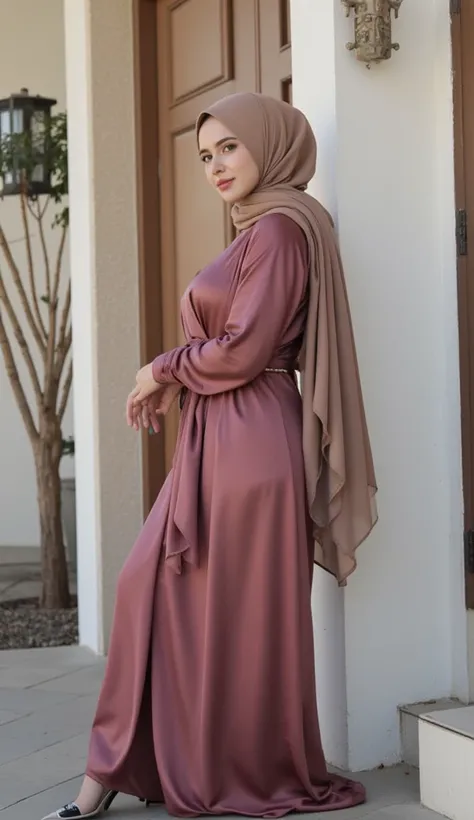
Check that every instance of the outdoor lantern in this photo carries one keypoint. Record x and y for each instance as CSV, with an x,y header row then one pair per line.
x,y
373,29
24,142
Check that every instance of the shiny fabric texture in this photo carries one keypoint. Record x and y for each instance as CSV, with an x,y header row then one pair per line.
x,y
340,476
208,701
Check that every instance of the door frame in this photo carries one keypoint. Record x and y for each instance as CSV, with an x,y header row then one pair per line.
x,y
148,214
465,274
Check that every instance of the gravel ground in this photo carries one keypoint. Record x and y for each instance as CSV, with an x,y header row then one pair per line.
x,y
24,626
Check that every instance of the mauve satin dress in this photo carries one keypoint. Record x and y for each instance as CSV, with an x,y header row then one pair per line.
x,y
208,702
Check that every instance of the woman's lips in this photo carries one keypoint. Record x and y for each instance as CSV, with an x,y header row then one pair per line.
x,y
224,184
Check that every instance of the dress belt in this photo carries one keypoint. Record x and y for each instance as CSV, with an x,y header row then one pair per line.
x,y
267,370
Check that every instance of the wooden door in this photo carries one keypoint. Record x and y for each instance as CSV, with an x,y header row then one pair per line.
x,y
463,65
275,48
205,49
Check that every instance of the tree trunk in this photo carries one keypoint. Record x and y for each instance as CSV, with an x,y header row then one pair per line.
x,y
55,590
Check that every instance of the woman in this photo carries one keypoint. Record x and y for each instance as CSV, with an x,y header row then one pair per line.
x,y
208,702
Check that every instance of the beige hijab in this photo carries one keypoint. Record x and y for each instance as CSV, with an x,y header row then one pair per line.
x,y
340,476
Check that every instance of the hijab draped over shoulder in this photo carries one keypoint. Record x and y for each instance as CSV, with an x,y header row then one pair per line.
x,y
340,478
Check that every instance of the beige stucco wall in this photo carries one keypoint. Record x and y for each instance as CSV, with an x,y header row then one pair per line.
x,y
31,56
104,269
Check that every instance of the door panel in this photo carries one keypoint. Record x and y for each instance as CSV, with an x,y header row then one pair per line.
x,y
200,32
275,48
206,49
463,65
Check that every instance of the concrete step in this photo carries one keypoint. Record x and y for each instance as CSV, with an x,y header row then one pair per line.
x,y
446,753
409,717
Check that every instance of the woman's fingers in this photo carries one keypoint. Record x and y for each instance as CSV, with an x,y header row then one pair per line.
x,y
137,418
147,415
148,401
154,420
144,391
129,410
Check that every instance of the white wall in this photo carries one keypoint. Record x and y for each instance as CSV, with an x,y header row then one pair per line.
x,y
314,50
386,167
31,56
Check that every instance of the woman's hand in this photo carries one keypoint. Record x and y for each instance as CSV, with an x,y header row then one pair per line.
x,y
145,413
145,387
146,384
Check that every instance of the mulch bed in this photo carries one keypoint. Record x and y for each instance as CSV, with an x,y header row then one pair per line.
x,y
23,625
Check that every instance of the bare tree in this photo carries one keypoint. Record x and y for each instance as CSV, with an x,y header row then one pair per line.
x,y
40,332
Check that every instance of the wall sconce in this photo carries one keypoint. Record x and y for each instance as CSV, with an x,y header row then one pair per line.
x,y
373,29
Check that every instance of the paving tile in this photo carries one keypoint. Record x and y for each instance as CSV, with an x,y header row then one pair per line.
x,y
25,701
42,770
44,728
34,808
357,812
56,656
385,788
19,572
404,812
81,682
21,589
7,717
22,677
394,784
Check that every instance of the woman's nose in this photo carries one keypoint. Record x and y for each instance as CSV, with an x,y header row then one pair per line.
x,y
216,165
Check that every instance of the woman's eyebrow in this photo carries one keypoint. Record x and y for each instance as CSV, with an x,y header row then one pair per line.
x,y
219,142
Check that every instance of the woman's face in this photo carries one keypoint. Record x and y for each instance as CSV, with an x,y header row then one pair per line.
x,y
229,166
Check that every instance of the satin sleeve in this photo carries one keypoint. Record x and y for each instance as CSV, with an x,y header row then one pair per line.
x,y
272,282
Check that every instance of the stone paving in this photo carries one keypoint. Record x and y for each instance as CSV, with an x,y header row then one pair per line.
x,y
18,578
47,701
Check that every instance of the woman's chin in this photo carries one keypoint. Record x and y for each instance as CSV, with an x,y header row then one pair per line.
x,y
228,197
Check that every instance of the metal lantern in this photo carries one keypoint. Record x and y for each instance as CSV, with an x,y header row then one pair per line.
x,y
373,29
24,143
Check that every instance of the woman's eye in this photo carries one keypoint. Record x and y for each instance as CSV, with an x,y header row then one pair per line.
x,y
231,146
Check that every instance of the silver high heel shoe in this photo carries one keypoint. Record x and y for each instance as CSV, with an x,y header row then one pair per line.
x,y
72,811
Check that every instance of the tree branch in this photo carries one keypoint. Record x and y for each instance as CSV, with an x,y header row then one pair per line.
x,y
18,391
65,393
21,340
58,266
21,290
39,216
49,369
62,353
34,294
39,212
64,317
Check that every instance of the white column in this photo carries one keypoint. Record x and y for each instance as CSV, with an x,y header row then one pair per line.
x,y
104,271
314,92
386,166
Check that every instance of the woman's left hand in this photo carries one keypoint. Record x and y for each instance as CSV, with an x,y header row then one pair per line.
x,y
146,384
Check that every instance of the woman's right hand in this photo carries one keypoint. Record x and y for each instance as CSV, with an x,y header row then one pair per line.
x,y
145,415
